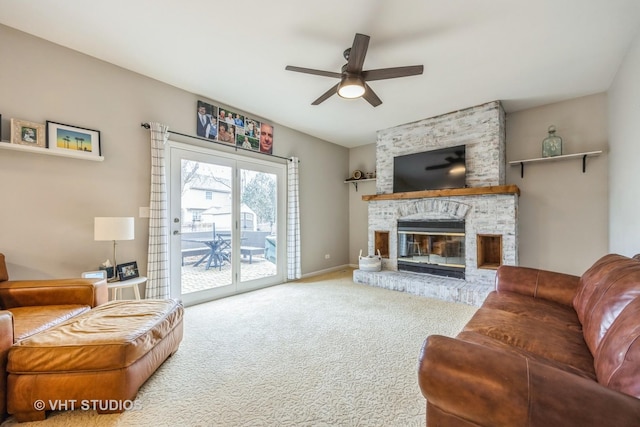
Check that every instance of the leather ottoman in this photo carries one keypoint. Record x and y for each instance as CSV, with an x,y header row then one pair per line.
x,y
96,360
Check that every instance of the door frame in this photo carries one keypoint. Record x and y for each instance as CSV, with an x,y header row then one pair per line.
x,y
237,162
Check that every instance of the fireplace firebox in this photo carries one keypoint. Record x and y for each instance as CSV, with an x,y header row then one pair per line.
x,y
432,247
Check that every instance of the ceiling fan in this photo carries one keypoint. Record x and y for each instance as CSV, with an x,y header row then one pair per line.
x,y
353,79
450,161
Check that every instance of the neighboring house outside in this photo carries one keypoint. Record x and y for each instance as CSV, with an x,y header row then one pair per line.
x,y
206,209
206,201
221,217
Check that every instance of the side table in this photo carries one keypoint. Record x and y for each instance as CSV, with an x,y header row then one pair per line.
x,y
116,287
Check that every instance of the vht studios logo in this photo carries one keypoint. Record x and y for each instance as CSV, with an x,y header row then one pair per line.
x,y
88,405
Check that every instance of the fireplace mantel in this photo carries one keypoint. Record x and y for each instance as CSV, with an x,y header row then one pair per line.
x,y
471,191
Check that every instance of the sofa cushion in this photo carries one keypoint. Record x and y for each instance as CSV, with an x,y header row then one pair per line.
x,y
6,341
549,285
31,293
595,277
533,327
617,361
28,321
613,293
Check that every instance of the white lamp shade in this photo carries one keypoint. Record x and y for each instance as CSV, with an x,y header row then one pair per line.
x,y
113,228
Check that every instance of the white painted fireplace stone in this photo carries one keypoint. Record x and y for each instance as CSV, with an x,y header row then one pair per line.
x,y
481,129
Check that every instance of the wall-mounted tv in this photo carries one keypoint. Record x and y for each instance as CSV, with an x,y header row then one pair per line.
x,y
430,170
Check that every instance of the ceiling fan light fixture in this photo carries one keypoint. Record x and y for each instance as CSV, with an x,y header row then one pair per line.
x,y
351,87
353,79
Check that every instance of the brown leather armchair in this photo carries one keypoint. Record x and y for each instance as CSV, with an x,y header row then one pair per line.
x,y
31,306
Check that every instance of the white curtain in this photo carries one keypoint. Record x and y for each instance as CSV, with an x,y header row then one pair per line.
x,y
158,257
294,271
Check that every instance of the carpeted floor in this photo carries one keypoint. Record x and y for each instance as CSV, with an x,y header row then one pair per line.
x,y
318,352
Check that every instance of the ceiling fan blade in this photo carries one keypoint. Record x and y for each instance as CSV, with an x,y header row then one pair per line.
x,y
357,53
326,95
370,96
392,73
312,71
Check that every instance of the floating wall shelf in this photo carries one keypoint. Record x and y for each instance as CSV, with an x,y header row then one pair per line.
x,y
563,157
39,150
356,181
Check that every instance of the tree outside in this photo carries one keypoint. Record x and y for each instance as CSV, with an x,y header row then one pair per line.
x,y
259,194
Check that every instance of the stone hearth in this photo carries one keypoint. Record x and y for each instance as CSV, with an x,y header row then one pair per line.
x,y
481,129
425,285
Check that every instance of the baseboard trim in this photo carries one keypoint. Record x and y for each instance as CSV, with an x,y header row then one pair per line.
x,y
327,270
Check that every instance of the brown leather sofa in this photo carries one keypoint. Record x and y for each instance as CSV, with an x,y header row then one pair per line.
x,y
545,349
28,307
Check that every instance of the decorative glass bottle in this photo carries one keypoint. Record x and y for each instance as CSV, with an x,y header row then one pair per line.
x,y
552,144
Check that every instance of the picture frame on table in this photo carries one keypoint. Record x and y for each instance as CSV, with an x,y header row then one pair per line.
x,y
68,138
28,133
127,270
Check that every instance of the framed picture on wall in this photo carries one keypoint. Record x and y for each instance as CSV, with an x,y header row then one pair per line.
x,y
27,133
61,137
206,121
266,138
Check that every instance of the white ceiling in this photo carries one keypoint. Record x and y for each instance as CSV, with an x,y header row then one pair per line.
x,y
525,53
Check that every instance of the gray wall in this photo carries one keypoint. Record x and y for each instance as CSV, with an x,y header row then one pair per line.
x,y
361,158
563,221
624,170
48,203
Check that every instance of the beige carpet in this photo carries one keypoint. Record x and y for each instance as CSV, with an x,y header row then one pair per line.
x,y
318,352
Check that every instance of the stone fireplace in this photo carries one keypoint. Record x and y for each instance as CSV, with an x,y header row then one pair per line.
x,y
478,223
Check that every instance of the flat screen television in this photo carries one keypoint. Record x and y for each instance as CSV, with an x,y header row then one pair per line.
x,y
430,170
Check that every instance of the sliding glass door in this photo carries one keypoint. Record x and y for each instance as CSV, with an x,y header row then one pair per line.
x,y
258,223
227,217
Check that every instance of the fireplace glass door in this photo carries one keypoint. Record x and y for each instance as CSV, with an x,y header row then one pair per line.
x,y
433,248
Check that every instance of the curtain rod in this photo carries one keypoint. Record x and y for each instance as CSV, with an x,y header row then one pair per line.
x,y
147,126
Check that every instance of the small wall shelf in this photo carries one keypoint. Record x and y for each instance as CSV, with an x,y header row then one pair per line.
x,y
39,150
563,157
356,181
381,242
489,251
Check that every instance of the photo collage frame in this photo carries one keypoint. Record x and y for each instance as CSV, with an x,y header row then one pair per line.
x,y
230,127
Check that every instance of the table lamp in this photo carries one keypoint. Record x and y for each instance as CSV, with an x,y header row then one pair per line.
x,y
113,228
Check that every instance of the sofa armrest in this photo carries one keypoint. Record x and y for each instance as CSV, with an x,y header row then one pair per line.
x,y
489,387
24,293
6,341
557,287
